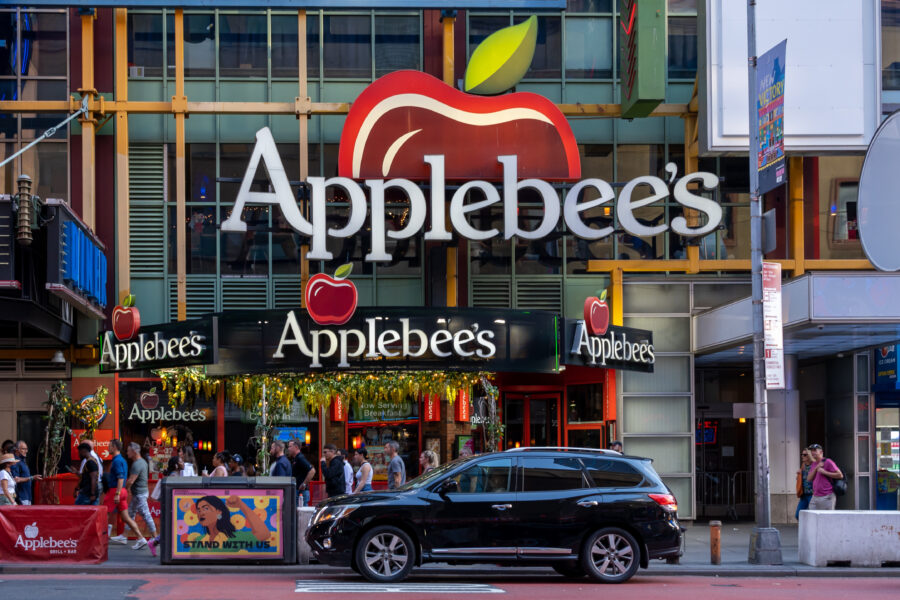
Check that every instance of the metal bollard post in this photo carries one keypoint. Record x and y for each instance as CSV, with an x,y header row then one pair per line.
x,y
715,542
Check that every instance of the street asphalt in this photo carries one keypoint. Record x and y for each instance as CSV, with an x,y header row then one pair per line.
x,y
695,561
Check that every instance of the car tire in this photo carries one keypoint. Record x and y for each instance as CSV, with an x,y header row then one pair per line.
x,y
385,554
572,571
610,555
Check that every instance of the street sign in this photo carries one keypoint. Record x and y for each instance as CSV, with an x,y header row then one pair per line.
x,y
773,334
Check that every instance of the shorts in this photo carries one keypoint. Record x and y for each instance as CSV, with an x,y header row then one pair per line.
x,y
110,501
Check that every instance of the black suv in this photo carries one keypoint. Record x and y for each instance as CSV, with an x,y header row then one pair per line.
x,y
581,511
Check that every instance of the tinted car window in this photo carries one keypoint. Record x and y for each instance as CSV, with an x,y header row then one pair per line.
x,y
612,473
551,474
490,476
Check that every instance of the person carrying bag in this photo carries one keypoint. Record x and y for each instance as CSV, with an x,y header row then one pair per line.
x,y
827,479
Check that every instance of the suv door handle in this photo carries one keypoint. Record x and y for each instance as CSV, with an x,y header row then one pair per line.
x,y
501,506
587,503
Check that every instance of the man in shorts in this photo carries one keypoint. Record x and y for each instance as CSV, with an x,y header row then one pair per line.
x,y
117,497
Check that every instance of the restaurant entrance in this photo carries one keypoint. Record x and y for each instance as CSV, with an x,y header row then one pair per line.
x,y
532,419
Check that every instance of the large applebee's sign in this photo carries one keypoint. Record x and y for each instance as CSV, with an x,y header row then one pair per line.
x,y
409,126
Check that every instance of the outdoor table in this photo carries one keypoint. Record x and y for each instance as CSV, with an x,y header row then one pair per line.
x,y
64,534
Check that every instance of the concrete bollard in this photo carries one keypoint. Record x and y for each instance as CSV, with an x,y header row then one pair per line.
x,y
715,542
304,552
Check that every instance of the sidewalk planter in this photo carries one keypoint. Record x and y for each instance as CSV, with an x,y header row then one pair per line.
x,y
58,534
60,488
860,538
245,520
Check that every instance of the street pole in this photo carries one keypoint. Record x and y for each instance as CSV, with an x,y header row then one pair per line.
x,y
765,541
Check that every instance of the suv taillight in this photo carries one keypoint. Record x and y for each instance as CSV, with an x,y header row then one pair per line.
x,y
666,501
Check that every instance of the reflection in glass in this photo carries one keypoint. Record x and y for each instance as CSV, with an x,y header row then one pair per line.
x,y
51,173
246,253
8,37
537,257
200,237
890,44
242,45
351,249
589,48
285,54
35,124
397,44
145,45
312,46
347,46
43,45
636,160
548,49
593,6
682,47
480,27
491,256
199,45
584,403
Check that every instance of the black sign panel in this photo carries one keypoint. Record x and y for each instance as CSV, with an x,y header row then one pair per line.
x,y
623,348
158,346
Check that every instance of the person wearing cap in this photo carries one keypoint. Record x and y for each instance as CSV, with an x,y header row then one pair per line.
x,y
236,466
616,446
7,481
822,473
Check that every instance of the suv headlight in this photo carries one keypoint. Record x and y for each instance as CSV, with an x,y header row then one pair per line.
x,y
333,513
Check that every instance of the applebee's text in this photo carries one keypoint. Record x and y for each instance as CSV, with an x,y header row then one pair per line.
x,y
352,343
613,346
56,546
572,208
153,415
149,348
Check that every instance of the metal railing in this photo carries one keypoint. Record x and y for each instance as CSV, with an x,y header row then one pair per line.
x,y
725,494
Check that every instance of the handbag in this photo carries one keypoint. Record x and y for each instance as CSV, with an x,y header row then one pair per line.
x,y
799,484
157,489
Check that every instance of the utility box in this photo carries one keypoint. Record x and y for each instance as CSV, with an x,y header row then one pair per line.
x,y
247,520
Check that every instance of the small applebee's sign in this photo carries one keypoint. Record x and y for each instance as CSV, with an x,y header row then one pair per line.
x,y
593,342
157,346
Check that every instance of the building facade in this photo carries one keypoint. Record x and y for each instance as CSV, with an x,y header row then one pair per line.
x,y
176,98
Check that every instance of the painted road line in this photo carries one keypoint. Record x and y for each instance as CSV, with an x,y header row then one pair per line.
x,y
351,587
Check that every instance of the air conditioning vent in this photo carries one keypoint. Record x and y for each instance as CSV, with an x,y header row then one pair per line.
x,y
147,216
491,293
245,294
200,298
287,292
543,294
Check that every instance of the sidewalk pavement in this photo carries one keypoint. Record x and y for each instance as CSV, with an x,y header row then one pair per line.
x,y
735,542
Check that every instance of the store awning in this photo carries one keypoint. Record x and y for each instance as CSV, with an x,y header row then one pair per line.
x,y
823,314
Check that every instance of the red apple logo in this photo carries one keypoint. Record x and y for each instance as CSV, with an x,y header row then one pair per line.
x,y
149,400
331,300
596,314
126,320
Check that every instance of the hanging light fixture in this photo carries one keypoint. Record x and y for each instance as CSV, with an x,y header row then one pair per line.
x,y
58,358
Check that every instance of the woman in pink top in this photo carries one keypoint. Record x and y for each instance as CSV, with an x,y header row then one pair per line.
x,y
219,461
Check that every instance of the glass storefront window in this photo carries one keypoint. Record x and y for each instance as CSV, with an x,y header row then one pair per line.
x,y
312,45
199,224
548,49
397,44
246,253
657,298
347,46
837,218
44,45
589,52
584,403
374,437
285,53
585,438
682,47
537,257
481,26
636,160
145,56
489,257
8,37
243,45
672,374
35,124
51,173
890,44
592,6
656,414
199,45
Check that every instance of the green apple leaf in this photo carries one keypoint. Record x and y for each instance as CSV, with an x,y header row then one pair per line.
x,y
603,296
343,271
129,301
502,59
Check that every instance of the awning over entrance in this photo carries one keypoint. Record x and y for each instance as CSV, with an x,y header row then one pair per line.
x,y
823,314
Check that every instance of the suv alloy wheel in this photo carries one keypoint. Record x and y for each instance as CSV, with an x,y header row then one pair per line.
x,y
385,554
610,555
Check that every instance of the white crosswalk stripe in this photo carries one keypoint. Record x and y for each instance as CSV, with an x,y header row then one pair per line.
x,y
318,586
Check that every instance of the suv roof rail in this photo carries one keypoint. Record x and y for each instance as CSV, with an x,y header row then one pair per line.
x,y
565,448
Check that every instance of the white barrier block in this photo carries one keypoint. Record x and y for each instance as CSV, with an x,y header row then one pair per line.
x,y
304,514
864,538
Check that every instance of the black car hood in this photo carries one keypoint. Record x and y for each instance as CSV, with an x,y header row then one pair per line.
x,y
363,498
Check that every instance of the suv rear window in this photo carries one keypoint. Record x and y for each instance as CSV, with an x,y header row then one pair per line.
x,y
612,473
552,474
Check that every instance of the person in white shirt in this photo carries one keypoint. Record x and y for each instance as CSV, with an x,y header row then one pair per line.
x,y
186,454
348,472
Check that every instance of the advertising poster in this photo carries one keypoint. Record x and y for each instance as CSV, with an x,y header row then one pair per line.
x,y
770,118
886,367
221,523
772,326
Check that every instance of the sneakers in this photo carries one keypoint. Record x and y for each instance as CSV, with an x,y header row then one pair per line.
x,y
139,544
118,539
152,545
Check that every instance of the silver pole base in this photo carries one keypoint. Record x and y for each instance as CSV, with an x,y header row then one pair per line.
x,y
765,546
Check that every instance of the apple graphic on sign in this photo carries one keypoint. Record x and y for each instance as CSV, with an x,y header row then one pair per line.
x,y
31,531
331,300
596,314
150,400
126,320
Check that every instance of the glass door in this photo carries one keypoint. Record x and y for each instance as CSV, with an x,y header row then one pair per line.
x,y
531,420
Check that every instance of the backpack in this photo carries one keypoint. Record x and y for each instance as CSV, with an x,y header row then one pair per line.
x,y
839,486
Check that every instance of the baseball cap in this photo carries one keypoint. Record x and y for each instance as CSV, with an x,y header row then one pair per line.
x,y
237,458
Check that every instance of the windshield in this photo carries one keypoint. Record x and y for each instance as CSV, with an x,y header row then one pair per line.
x,y
434,474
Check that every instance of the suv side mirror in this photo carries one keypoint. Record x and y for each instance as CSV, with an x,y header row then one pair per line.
x,y
448,486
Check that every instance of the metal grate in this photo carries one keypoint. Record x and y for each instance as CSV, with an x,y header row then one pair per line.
x,y
543,294
287,292
200,298
492,293
147,216
240,294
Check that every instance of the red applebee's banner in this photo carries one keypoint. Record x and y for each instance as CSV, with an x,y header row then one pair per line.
x,y
66,534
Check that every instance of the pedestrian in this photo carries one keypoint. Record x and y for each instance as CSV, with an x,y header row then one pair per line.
x,y
616,446
281,466
301,469
364,471
822,472
116,499
186,454
804,487
137,483
219,461
172,469
348,471
7,481
333,471
88,490
428,460
22,474
396,469
7,447
236,466
93,456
